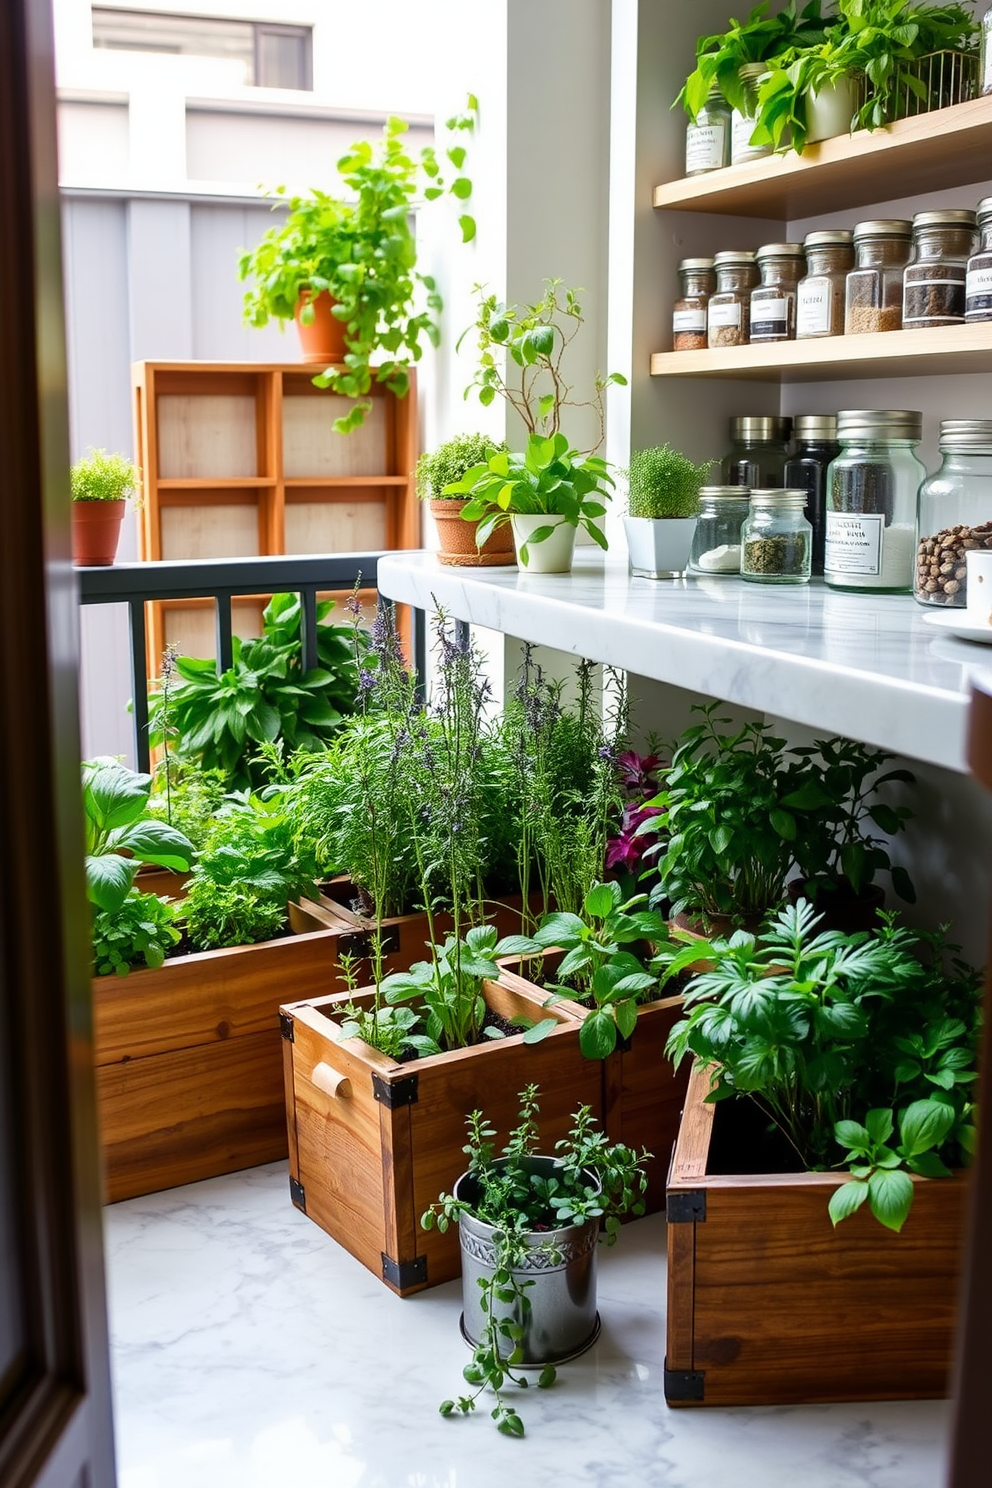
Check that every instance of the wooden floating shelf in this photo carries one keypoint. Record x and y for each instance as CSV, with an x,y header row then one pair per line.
x,y
948,349
931,152
342,482
216,483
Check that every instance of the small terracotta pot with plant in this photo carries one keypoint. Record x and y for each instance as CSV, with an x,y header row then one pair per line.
x,y
100,486
442,467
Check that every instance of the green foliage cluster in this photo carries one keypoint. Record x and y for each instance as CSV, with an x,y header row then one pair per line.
x,y
102,477
140,932
439,468
361,248
842,1040
121,834
591,1179
662,482
719,58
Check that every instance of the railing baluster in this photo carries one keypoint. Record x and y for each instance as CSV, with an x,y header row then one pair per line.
x,y
308,627
225,642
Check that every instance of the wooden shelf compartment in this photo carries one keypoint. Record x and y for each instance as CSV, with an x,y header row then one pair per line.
x,y
931,152
946,349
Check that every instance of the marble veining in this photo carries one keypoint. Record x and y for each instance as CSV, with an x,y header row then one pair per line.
x,y
251,1351
864,665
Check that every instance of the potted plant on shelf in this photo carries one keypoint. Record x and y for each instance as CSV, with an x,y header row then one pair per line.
x,y
348,265
551,489
442,467
528,1226
100,486
833,1074
663,499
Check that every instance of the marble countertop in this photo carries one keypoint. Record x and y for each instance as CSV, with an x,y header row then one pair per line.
x,y
867,666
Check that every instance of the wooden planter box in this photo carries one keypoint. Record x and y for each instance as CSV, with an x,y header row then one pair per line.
x,y
642,1093
768,1304
372,1143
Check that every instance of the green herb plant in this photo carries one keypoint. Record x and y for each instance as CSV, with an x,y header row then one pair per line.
x,y
102,477
662,482
593,1179
121,834
442,467
719,58
140,932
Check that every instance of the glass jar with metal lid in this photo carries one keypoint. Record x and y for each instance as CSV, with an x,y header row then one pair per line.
x,y
707,136
934,283
816,445
698,282
954,513
871,500
985,54
743,120
820,296
773,303
776,540
716,542
729,310
759,448
978,285
882,249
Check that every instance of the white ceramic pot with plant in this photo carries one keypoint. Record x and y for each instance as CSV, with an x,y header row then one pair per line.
x,y
663,500
830,109
442,467
101,486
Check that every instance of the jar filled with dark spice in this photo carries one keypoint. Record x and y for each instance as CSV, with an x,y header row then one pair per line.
x,y
689,315
816,445
707,137
777,540
820,296
729,310
882,249
759,448
773,303
978,285
716,542
871,500
934,283
955,512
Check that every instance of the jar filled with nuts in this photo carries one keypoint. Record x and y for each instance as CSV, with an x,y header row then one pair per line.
x,y
934,283
955,512
689,315
882,249
729,313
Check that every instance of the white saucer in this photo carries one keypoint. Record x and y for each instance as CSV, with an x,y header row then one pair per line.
x,y
957,623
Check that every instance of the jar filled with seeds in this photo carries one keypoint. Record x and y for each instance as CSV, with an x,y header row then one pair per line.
x,y
689,315
744,120
773,303
882,249
729,310
707,137
978,285
934,283
759,448
776,540
816,447
871,500
716,542
820,296
955,512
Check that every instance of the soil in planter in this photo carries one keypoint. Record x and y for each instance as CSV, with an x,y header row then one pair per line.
x,y
745,1140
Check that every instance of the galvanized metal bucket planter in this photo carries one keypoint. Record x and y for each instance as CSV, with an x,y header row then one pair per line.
x,y
562,1321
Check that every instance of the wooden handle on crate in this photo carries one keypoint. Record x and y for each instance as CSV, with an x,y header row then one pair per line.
x,y
330,1082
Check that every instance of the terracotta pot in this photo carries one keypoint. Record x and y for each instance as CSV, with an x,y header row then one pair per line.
x,y
96,530
457,538
840,907
711,926
323,340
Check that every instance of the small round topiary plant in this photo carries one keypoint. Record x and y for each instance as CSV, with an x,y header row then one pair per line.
x,y
102,477
664,483
450,461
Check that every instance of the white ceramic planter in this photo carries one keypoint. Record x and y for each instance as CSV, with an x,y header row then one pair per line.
x,y
554,554
829,112
659,547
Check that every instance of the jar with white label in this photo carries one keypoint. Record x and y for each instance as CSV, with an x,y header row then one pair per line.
x,y
698,282
743,120
773,303
978,286
729,312
933,291
820,296
707,137
871,500
883,247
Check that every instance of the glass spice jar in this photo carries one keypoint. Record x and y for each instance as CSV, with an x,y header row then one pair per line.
x,y
871,500
707,137
820,296
689,315
934,283
776,540
729,311
873,295
985,63
773,303
954,513
978,284
816,445
743,120
759,448
716,542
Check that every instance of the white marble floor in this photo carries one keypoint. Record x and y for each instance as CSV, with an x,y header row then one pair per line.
x,y
250,1351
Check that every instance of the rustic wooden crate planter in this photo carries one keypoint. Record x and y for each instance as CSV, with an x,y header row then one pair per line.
x,y
372,1143
642,1094
768,1304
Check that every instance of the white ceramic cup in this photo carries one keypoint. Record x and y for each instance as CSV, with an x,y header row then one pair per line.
x,y
979,587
